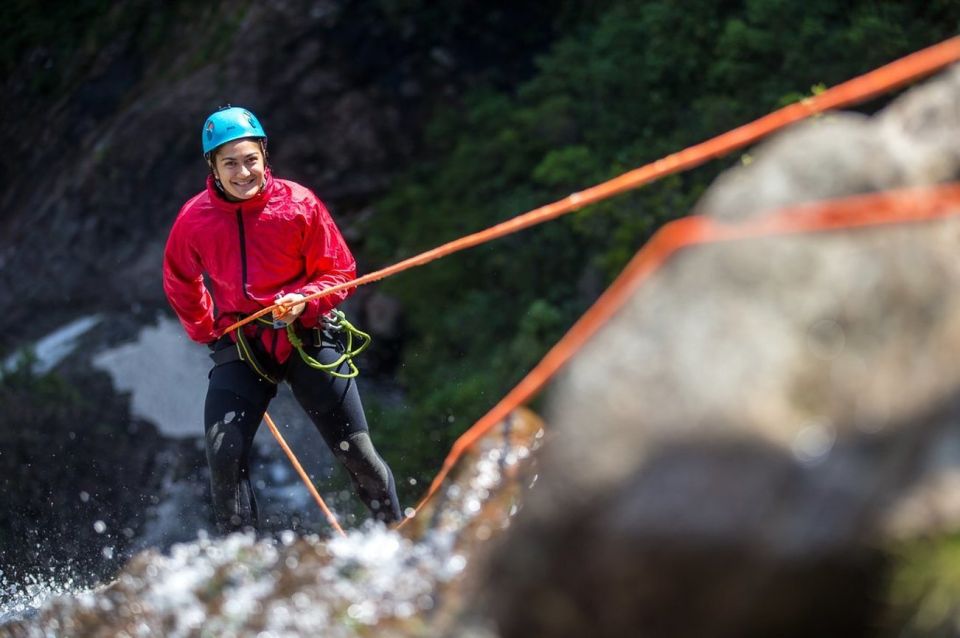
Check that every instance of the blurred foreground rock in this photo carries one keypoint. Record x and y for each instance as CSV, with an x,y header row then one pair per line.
x,y
729,455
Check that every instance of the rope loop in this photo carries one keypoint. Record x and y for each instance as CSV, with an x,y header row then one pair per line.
x,y
335,321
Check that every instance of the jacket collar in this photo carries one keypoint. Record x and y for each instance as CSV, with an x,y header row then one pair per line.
x,y
254,204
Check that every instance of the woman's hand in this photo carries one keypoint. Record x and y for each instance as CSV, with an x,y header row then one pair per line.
x,y
284,318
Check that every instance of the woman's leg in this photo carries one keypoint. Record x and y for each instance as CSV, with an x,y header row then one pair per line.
x,y
236,401
334,406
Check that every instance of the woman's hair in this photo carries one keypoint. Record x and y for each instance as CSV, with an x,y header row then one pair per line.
x,y
212,155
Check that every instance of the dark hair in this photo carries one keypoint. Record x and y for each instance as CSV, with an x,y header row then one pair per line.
x,y
212,155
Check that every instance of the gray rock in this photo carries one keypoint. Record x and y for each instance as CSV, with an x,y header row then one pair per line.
x,y
726,456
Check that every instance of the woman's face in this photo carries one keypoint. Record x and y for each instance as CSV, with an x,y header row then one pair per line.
x,y
239,166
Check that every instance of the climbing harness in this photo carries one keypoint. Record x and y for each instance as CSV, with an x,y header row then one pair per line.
x,y
334,322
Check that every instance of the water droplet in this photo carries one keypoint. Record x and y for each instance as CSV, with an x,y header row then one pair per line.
x,y
456,564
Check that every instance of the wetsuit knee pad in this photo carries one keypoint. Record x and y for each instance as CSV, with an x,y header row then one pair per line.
x,y
361,457
230,425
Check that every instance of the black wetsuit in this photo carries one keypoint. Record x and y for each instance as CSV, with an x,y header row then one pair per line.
x,y
237,398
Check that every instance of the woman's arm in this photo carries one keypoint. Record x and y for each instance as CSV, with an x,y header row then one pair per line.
x,y
183,285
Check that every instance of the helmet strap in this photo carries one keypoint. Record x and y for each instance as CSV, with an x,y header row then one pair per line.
x,y
216,179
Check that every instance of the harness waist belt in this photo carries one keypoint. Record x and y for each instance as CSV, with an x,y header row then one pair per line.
x,y
226,355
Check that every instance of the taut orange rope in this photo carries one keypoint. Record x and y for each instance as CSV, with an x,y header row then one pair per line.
x,y
303,475
853,91
905,206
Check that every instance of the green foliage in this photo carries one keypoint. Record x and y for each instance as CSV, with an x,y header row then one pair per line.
x,y
635,82
925,587
55,45
50,33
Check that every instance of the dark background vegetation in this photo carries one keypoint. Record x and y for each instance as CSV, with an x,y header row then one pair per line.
x,y
618,88
463,114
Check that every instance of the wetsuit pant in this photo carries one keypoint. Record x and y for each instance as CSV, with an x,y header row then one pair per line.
x,y
237,398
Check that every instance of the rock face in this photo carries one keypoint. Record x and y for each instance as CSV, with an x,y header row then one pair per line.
x,y
103,139
83,482
728,455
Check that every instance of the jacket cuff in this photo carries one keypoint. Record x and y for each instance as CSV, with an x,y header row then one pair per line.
x,y
315,309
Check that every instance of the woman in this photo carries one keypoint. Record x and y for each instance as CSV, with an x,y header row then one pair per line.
x,y
260,240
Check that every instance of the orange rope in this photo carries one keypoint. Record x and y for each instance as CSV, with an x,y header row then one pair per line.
x,y
303,475
904,206
886,78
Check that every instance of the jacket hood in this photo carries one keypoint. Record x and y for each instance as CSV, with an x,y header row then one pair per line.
x,y
255,203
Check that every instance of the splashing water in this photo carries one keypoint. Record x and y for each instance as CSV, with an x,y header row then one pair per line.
x,y
23,599
373,582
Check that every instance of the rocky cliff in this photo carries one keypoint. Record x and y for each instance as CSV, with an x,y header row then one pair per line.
x,y
102,116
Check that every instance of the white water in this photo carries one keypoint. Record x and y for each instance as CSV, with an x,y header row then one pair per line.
x,y
165,374
373,581
22,600
162,369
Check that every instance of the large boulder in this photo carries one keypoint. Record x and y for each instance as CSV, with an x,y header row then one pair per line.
x,y
729,454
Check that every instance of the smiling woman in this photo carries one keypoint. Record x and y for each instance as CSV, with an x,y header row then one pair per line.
x,y
260,240
239,168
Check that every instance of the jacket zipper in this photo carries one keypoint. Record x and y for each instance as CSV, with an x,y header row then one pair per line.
x,y
243,254
243,272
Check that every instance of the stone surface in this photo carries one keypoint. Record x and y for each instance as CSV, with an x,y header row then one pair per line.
x,y
728,454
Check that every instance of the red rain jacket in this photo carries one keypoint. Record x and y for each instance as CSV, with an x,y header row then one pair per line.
x,y
280,241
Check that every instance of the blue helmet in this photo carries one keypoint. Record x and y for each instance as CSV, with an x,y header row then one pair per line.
x,y
228,124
